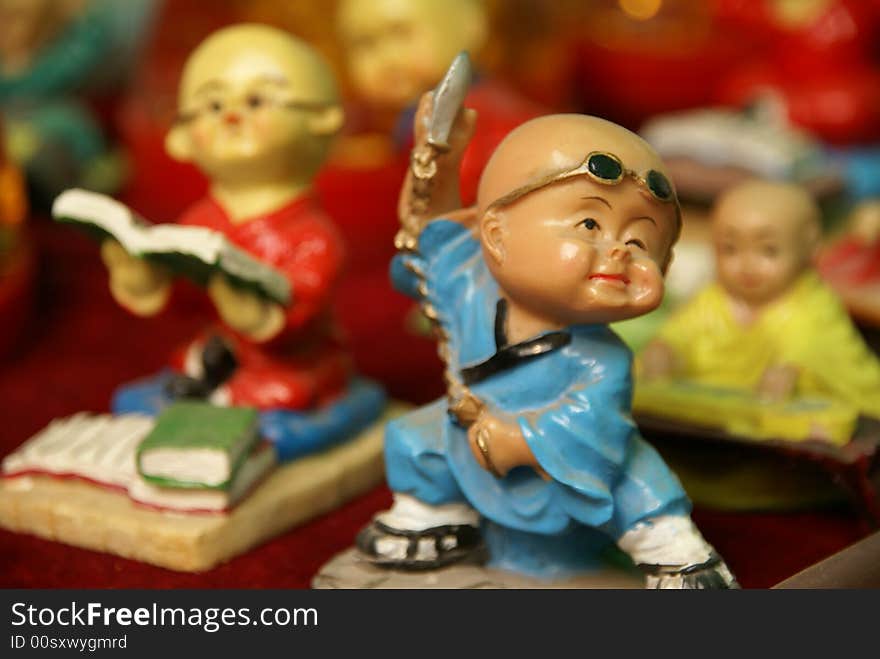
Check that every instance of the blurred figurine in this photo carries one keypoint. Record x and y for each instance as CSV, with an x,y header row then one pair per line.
x,y
257,113
398,50
851,264
768,326
651,57
13,200
17,267
217,442
534,451
817,58
50,52
708,150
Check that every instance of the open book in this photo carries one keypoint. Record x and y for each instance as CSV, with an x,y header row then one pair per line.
x,y
195,252
102,450
742,413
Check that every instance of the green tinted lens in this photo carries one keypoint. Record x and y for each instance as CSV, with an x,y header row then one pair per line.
x,y
659,185
605,167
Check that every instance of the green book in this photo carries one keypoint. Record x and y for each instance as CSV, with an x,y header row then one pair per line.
x,y
194,252
198,445
741,412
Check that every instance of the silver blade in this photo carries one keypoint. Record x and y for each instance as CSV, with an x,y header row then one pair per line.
x,y
448,98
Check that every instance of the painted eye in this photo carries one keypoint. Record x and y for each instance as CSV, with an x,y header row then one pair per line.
x,y
589,223
638,243
255,101
215,107
728,249
770,251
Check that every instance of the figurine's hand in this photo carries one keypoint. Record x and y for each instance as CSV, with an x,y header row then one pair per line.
x,y
459,135
244,311
138,285
498,446
778,382
444,192
657,361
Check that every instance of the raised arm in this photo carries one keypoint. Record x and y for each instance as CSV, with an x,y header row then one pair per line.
x,y
431,187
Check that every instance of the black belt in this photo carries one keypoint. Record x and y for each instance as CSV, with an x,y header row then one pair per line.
x,y
507,356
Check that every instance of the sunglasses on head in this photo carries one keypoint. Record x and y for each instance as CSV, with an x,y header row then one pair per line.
x,y
607,168
604,168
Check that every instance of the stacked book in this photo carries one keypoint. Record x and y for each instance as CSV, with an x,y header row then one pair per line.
x,y
194,457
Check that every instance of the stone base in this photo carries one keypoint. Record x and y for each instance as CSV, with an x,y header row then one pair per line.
x,y
85,515
349,570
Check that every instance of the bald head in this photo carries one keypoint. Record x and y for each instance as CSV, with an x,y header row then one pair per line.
x,y
577,245
786,206
398,49
555,144
447,15
766,234
256,104
238,53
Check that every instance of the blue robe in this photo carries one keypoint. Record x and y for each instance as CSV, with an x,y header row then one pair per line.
x,y
572,405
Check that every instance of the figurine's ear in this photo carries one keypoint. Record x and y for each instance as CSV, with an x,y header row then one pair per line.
x,y
492,236
670,257
327,121
178,144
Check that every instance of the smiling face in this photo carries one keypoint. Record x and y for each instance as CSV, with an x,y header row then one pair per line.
x,y
765,236
582,252
255,105
571,245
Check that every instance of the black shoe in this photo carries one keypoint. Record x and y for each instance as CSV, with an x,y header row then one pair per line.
x,y
711,574
183,386
446,545
218,362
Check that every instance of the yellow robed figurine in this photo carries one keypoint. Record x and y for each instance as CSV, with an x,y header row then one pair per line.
x,y
767,350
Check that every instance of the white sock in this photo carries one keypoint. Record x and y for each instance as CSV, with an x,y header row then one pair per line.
x,y
666,540
221,397
192,361
409,514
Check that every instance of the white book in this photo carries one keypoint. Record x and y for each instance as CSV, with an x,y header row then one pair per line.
x,y
99,448
103,449
195,252
259,463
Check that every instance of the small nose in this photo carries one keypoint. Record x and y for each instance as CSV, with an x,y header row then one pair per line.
x,y
618,252
232,118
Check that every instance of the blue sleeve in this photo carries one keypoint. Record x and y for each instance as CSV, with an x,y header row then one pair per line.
x,y
582,440
443,244
403,279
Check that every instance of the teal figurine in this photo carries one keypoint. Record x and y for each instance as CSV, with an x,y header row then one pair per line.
x,y
54,54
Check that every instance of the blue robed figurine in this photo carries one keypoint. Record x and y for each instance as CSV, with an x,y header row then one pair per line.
x,y
534,457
